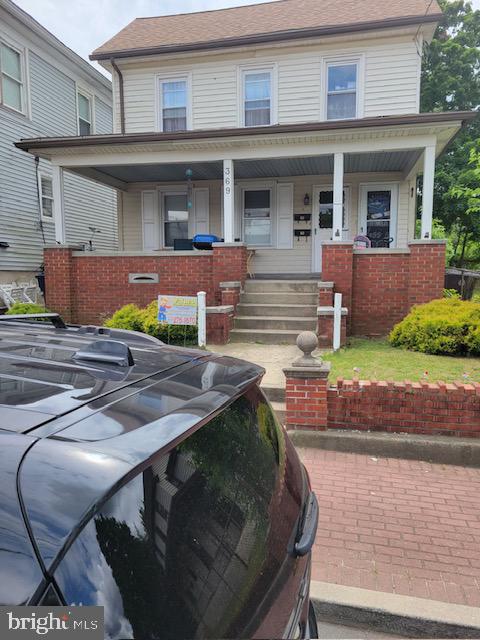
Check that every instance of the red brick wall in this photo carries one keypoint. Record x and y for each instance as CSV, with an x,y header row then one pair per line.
x,y
58,279
380,288
229,264
219,326
406,407
306,403
337,267
380,292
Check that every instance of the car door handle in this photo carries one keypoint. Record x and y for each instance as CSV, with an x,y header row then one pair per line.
x,y
306,536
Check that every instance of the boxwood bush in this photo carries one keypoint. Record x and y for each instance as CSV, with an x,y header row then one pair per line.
x,y
134,318
25,307
449,326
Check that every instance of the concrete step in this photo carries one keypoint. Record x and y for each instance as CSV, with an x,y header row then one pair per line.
x,y
284,297
276,322
292,286
274,394
266,310
264,336
280,411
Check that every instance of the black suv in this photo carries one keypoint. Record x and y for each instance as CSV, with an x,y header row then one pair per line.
x,y
152,480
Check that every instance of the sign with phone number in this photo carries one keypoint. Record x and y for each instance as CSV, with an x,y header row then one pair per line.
x,y
178,310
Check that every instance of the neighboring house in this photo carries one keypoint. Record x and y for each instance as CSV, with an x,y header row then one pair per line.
x,y
290,127
46,90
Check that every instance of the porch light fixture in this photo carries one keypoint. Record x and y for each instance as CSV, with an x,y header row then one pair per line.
x,y
306,199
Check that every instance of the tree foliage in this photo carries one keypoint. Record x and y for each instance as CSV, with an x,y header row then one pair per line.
x,y
451,82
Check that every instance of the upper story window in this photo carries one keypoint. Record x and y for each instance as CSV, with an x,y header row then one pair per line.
x,y
11,86
174,104
85,126
342,90
257,98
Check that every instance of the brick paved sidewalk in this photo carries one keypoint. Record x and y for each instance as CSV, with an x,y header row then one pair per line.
x,y
400,526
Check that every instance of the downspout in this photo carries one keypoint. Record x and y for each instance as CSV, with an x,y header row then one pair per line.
x,y
120,89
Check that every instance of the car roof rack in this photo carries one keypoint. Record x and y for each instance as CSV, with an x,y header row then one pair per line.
x,y
55,318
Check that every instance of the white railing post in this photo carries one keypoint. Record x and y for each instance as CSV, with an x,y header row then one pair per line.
x,y
337,321
202,318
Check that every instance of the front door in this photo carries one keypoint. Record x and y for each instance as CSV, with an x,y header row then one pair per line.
x,y
322,221
378,214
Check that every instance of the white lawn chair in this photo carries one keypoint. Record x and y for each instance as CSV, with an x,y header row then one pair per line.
x,y
12,293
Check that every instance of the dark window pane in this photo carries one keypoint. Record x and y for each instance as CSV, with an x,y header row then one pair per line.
x,y
258,199
189,548
84,127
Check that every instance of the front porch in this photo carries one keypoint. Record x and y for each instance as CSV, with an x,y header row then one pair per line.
x,y
287,200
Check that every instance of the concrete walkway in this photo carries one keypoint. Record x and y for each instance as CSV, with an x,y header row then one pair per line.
x,y
270,356
397,526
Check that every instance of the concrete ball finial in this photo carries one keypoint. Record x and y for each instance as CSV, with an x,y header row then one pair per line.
x,y
307,342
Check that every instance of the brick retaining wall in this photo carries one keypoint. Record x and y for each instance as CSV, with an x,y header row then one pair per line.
x,y
400,407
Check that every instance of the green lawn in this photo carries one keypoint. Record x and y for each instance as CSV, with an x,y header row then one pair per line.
x,y
376,359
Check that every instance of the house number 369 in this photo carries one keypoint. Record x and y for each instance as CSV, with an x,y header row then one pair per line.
x,y
227,181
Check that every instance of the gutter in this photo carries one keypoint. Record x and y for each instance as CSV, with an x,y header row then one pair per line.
x,y
122,97
288,34
200,134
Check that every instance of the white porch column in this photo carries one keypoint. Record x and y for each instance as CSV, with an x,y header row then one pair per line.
x,y
58,204
228,201
337,226
427,191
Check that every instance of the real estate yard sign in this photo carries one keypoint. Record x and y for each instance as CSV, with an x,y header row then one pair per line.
x,y
178,310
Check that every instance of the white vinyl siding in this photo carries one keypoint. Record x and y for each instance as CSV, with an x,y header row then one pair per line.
x,y
388,77
103,117
392,80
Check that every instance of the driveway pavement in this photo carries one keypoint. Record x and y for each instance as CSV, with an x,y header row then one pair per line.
x,y
397,526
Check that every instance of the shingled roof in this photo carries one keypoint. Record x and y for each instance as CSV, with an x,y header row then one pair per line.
x,y
269,21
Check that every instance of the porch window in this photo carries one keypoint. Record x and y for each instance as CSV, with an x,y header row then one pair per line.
x,y
84,114
174,105
11,94
257,217
175,217
46,197
257,98
342,91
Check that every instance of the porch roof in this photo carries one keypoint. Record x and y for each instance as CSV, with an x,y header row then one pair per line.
x,y
49,146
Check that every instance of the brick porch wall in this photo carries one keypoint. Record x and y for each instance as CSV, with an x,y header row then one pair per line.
x,y
379,288
86,288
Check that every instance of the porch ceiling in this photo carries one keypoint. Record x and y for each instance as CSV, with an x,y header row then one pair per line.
x,y
394,161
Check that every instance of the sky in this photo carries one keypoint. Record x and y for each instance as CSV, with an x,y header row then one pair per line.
x,y
83,25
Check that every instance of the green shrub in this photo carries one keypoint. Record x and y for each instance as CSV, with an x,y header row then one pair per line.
x,y
25,307
128,317
145,320
449,326
451,293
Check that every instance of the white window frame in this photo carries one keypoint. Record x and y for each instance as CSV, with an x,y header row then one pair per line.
x,y
261,186
160,80
243,71
41,176
23,72
91,99
337,61
363,189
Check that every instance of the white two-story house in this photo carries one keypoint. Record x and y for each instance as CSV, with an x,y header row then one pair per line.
x,y
46,90
284,126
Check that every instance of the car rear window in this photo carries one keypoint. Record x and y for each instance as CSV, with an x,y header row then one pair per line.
x,y
189,547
